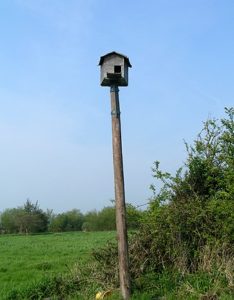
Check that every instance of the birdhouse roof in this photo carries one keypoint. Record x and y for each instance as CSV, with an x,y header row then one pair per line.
x,y
114,53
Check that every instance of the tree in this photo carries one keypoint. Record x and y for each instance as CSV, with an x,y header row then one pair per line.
x,y
90,221
9,220
68,221
33,219
134,216
27,219
105,219
100,221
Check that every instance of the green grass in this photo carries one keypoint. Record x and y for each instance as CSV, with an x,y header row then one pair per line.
x,y
26,260
38,266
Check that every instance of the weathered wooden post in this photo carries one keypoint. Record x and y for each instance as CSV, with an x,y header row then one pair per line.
x,y
114,73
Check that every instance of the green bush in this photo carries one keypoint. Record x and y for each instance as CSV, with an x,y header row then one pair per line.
x,y
189,222
196,207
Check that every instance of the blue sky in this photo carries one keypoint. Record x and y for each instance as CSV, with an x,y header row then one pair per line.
x,y
55,124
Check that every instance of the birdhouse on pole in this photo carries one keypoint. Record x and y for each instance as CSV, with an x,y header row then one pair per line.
x,y
114,73
114,69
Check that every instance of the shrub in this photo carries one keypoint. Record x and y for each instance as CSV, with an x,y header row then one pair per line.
x,y
188,219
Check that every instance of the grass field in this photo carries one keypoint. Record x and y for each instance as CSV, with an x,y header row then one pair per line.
x,y
28,259
31,265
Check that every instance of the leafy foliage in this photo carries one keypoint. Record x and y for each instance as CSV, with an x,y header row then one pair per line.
x,y
68,221
100,221
190,216
27,219
105,219
197,207
31,219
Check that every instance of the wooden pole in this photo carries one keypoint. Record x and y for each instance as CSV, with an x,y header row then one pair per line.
x,y
121,226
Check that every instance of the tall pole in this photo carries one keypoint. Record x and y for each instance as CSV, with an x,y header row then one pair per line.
x,y
121,226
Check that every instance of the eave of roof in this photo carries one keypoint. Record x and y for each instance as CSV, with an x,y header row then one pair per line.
x,y
115,53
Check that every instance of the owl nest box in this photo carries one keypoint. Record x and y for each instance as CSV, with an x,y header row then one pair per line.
x,y
114,69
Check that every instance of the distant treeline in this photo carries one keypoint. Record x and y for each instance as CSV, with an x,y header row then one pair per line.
x,y
30,218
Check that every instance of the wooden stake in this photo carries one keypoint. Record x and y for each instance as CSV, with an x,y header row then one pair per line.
x,y
120,195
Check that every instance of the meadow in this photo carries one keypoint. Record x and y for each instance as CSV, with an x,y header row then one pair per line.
x,y
28,259
32,265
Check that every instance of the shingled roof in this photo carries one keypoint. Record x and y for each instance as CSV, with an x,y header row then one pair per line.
x,y
114,53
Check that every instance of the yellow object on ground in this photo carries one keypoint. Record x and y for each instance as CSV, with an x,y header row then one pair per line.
x,y
99,295
102,295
